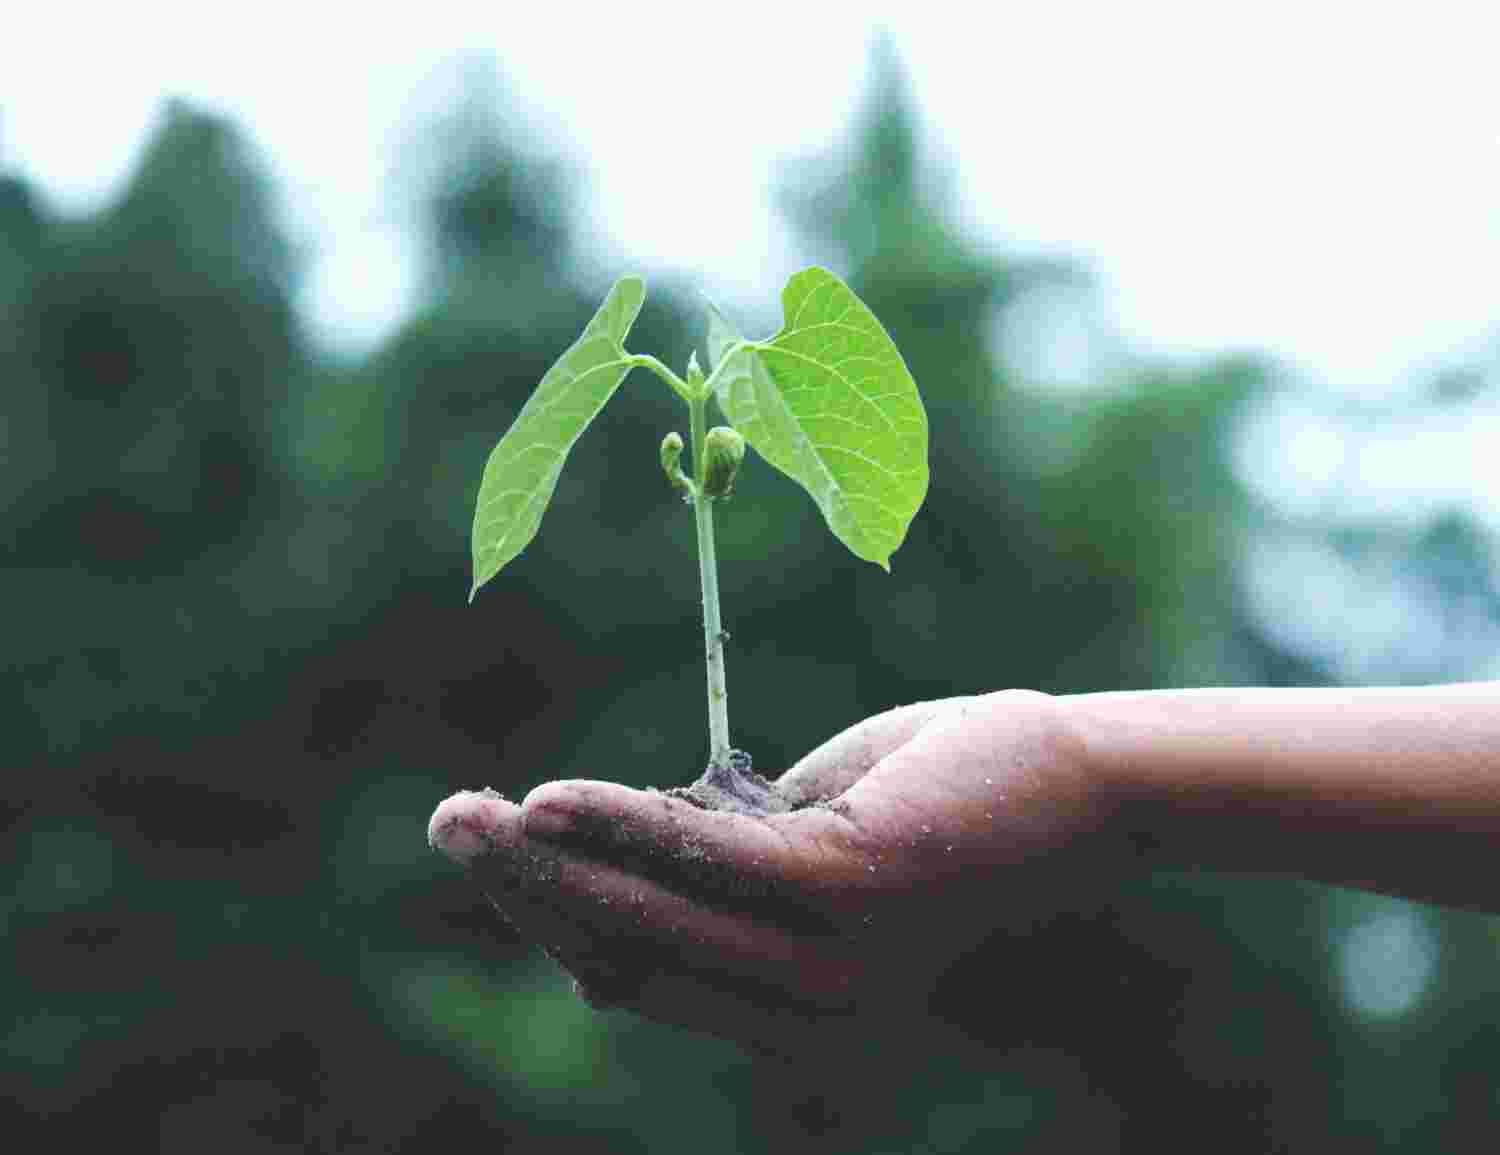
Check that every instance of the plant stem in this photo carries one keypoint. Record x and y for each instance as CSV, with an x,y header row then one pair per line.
x,y
646,361
708,568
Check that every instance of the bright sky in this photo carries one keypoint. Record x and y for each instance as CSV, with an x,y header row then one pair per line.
x,y
1318,181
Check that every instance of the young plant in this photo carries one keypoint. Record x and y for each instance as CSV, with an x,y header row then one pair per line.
x,y
828,401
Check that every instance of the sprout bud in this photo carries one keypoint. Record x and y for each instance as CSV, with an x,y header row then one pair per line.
x,y
694,373
671,457
723,450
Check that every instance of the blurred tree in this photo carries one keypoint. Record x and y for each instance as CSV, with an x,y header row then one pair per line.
x,y
497,219
1383,506
1113,523
155,347
163,335
25,448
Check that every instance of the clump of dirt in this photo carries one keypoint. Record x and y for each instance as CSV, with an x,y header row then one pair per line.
x,y
736,788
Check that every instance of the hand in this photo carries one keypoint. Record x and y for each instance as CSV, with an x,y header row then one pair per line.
x,y
916,833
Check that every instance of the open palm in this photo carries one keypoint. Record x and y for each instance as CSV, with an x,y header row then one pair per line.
x,y
773,930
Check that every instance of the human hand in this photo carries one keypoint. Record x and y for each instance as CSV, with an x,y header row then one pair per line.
x,y
914,834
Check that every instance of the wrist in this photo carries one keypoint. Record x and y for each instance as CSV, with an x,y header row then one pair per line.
x,y
1111,810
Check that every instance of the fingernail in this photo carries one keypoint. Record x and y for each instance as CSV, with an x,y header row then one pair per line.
x,y
466,825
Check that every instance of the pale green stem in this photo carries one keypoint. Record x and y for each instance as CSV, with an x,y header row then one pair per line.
x,y
726,359
708,568
646,361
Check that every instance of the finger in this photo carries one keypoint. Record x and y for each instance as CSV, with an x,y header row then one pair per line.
x,y
840,762
481,831
654,980
473,823
775,867
586,910
631,942
635,921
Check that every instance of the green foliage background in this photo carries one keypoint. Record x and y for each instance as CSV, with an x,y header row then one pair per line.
x,y
238,672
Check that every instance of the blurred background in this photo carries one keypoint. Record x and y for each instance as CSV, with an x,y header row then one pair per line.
x,y
1205,317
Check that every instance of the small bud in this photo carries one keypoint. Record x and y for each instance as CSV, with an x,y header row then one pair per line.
x,y
671,457
694,373
723,450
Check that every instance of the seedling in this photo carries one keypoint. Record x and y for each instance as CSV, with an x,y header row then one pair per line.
x,y
828,401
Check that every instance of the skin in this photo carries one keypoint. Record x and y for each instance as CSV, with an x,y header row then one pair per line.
x,y
923,829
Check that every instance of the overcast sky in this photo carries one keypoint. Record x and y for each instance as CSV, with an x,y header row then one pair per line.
x,y
1320,181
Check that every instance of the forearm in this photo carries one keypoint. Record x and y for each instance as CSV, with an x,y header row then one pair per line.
x,y
1396,790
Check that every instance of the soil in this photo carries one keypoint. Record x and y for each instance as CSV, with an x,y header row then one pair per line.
x,y
736,788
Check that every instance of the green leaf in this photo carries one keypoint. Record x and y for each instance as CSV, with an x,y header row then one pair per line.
x,y
522,471
830,403
721,335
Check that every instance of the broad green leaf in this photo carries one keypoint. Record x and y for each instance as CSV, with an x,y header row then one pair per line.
x,y
830,403
721,335
521,474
